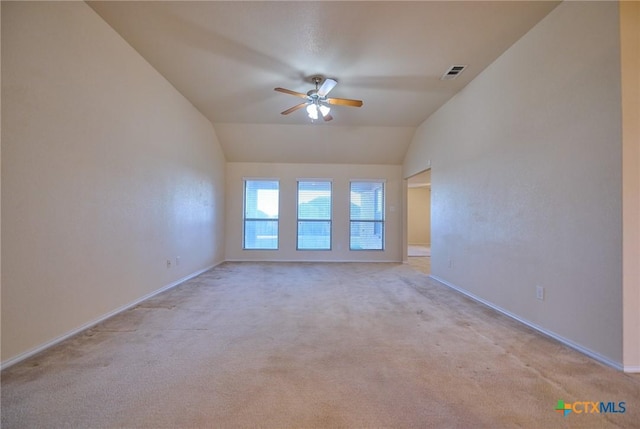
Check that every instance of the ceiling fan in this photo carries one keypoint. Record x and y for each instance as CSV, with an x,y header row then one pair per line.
x,y
317,100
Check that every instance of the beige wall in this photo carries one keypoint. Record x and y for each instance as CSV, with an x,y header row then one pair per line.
x,y
288,174
419,215
630,60
107,173
526,180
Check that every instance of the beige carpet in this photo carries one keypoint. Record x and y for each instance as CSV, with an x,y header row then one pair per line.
x,y
290,345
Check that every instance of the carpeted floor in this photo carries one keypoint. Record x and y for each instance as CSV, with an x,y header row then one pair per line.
x,y
417,251
302,345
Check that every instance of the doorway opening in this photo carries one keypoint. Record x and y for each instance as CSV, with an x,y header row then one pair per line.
x,y
419,220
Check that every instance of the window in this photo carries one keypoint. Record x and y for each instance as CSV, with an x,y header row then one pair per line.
x,y
314,215
367,216
261,200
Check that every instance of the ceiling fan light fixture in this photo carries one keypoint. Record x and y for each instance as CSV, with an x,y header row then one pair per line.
x,y
312,110
324,110
317,102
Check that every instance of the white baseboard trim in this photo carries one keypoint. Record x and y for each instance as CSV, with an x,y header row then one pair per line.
x,y
632,369
25,355
596,356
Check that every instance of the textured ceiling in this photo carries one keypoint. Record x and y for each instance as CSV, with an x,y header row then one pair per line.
x,y
226,58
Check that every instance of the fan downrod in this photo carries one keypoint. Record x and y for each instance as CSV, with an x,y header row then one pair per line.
x,y
316,80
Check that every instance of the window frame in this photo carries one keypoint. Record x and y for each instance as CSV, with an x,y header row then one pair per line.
x,y
246,219
379,225
298,219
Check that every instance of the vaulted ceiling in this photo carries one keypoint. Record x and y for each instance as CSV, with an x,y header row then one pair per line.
x,y
227,58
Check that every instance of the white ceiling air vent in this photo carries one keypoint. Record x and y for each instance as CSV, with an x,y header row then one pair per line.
x,y
453,72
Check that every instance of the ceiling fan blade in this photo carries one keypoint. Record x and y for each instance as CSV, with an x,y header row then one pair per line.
x,y
288,91
327,86
327,117
344,102
294,108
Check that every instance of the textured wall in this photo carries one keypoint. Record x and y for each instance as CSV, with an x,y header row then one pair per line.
x,y
288,175
526,180
107,172
630,61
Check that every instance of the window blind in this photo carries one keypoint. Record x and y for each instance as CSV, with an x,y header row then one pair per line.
x,y
261,209
367,216
314,215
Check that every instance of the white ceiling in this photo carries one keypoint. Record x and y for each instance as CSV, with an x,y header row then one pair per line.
x,y
226,58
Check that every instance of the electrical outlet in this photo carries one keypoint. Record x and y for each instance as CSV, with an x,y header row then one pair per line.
x,y
168,263
540,293
177,260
